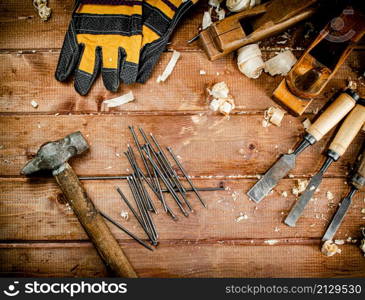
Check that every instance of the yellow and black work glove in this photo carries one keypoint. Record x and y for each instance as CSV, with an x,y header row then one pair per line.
x,y
104,34
160,18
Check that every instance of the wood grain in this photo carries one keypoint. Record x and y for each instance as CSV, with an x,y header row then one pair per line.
x,y
184,260
27,77
37,211
238,146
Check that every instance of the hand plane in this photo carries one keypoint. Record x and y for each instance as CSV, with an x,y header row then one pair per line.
x,y
320,61
268,19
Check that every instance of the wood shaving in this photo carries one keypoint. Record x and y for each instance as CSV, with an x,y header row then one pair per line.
x,y
280,64
202,72
362,246
329,195
339,242
221,101
301,185
330,249
241,217
284,194
271,242
170,67
207,19
215,3
119,100
44,12
306,124
351,84
249,61
124,215
363,210
241,5
34,104
273,115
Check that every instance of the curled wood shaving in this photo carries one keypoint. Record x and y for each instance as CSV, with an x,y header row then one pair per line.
x,y
44,12
330,249
273,115
240,5
249,61
280,64
221,101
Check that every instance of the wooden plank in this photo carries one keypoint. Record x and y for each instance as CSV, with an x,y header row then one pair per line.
x,y
37,211
184,260
26,77
209,145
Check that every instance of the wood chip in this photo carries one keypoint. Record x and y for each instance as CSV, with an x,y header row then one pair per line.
x,y
119,100
330,249
34,104
170,67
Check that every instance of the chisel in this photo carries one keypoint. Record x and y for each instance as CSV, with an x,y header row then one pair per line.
x,y
345,135
357,181
342,105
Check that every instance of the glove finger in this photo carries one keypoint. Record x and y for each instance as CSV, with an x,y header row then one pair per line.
x,y
88,69
110,68
69,55
149,57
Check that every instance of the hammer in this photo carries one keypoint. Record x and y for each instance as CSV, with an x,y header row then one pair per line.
x,y
54,156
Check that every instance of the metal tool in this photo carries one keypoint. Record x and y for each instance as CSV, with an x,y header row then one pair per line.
x,y
53,156
167,184
320,62
357,181
116,224
329,119
186,175
268,19
345,135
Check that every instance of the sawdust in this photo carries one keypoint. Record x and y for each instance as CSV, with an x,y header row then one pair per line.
x,y
329,195
301,185
241,217
330,249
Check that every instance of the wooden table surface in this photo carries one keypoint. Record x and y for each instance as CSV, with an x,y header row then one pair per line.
x,y
40,236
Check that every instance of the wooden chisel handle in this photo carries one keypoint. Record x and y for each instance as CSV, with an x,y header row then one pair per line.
x,y
333,114
358,180
93,223
348,130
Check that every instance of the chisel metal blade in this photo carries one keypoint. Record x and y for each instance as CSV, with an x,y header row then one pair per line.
x,y
338,217
298,208
278,171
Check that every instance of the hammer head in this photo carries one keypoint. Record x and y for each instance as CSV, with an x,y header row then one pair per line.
x,y
54,154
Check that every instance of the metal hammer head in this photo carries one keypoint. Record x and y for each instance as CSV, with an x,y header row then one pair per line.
x,y
54,154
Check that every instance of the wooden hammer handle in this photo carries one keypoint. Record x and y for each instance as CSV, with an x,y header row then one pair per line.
x,y
348,130
93,223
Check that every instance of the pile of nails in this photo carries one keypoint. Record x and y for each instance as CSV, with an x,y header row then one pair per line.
x,y
160,178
